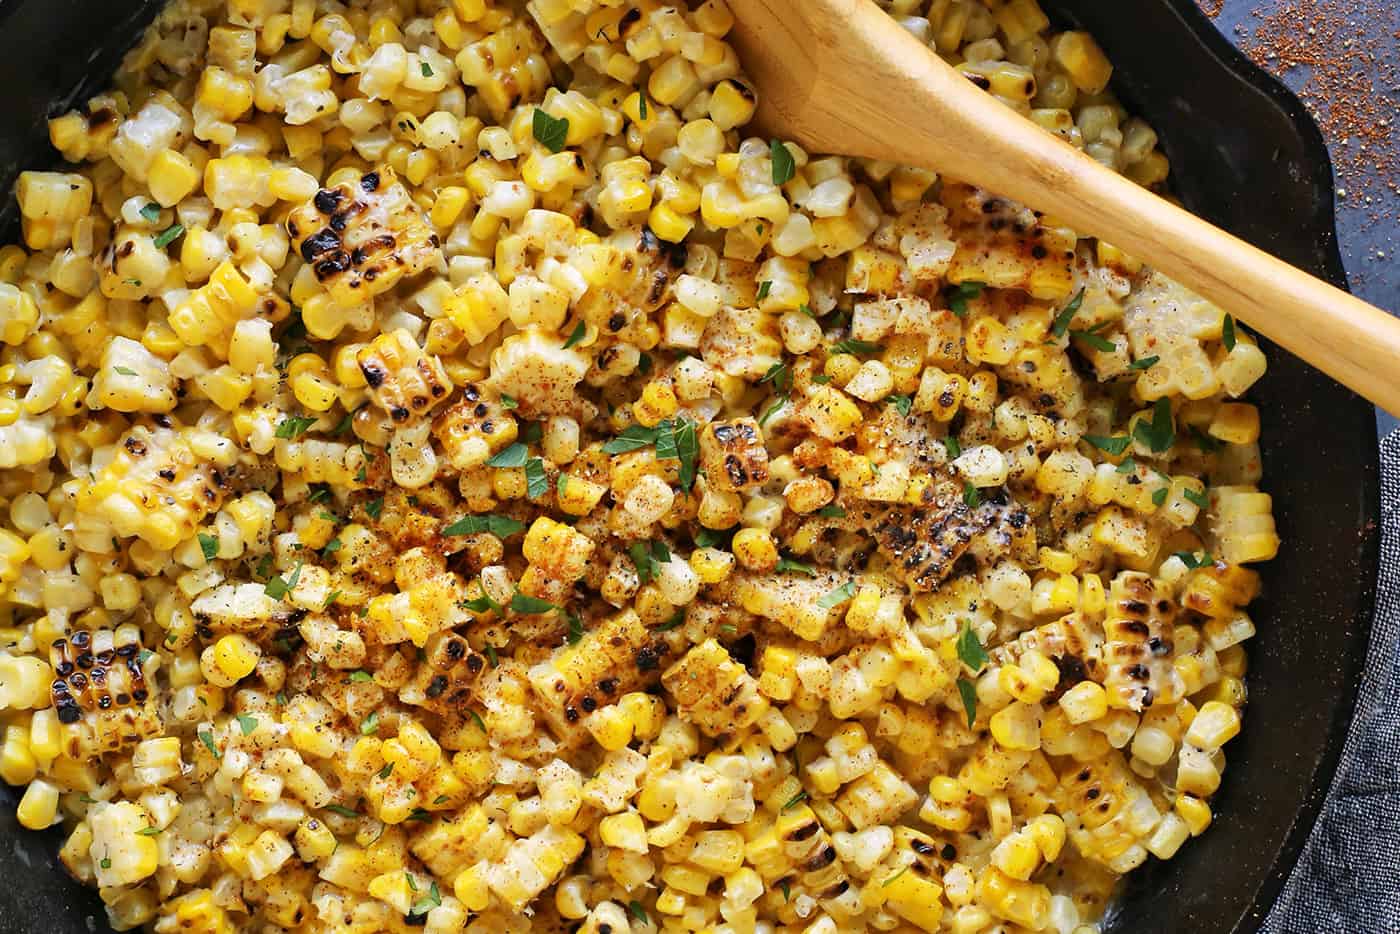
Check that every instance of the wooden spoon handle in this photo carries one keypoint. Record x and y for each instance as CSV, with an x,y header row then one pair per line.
x,y
876,91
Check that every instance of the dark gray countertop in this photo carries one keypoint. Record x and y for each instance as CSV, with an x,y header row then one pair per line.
x,y
1368,205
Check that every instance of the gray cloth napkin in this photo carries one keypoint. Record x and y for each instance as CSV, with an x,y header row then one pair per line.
x,y
1348,878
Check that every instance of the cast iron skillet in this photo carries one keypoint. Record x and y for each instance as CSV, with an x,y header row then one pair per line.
x,y
1245,155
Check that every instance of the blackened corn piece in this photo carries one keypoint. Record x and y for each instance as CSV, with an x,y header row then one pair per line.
x,y
403,380
100,694
713,691
361,238
733,456
1138,647
926,542
447,674
1072,642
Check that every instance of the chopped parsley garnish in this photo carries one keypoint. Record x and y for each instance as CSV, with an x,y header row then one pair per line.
x,y
1067,314
902,404
780,375
764,288
247,724
1192,561
1158,434
294,427
476,718
576,335
499,526
514,456
1201,500
968,692
168,236
536,483
277,588
1109,444
151,211
971,497
632,438
853,346
374,507
648,558
508,402
1095,341
832,512
970,651
482,603
788,565
331,547
895,876
575,634
342,810
773,409
427,70
387,770
951,445
786,888
1227,333
209,545
1144,363
207,739
530,606
840,595
638,912
678,441
961,294
370,725
1159,496
1128,466
124,370
674,622
148,831
794,801
361,676
434,898
641,102
709,538
319,494
783,165
550,131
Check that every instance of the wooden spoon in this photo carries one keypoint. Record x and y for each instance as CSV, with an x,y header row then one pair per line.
x,y
841,76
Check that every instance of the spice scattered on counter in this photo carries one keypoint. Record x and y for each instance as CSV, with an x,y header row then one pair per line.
x,y
1351,83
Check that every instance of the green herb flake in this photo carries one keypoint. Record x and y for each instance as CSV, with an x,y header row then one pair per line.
x,y
794,801
1098,342
1113,445
491,656
124,370
331,547
168,236
1128,466
374,507
853,346
764,288
1067,314
514,456
1159,496
894,877
499,526
575,634
106,863
289,429
678,441
329,602
971,496
576,335
151,211
902,404
530,606
1227,333
342,810
632,438
951,445
207,739
968,692
387,770
786,888
536,483
434,898
1158,434
149,831
476,718
1201,500
840,595
832,512
638,912
361,677
549,131
277,588
783,165
780,375
772,410
370,725
961,294
1192,561
209,545
788,565
1144,363
427,70
641,102
508,402
674,622
970,651
247,724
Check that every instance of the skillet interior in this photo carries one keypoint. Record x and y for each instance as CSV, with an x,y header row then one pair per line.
x,y
1245,155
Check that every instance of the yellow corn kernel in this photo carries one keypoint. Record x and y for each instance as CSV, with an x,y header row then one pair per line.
x,y
172,177
236,656
39,806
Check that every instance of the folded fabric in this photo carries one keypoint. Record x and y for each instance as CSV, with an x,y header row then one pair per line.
x,y
1348,878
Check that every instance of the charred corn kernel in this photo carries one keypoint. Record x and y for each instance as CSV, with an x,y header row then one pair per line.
x,y
1195,812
